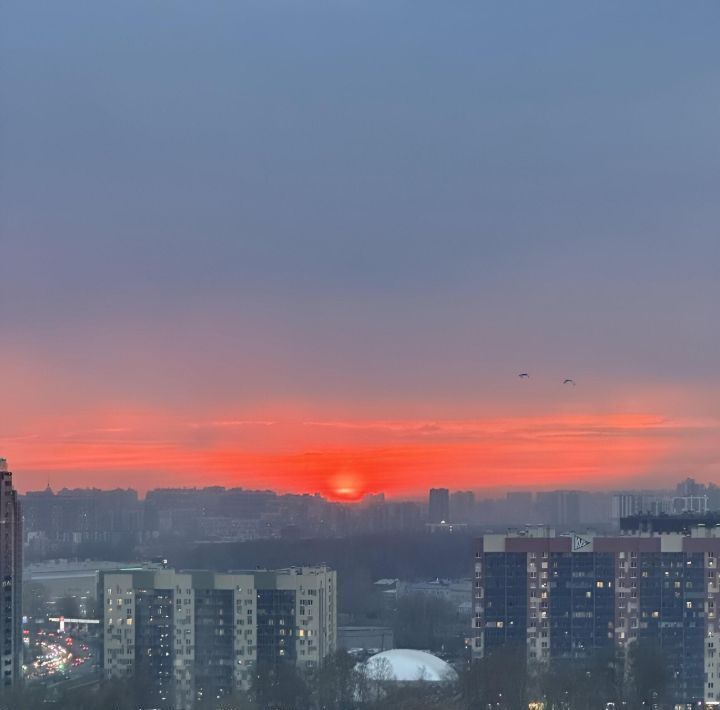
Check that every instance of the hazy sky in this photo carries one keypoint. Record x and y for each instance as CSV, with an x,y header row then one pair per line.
x,y
309,245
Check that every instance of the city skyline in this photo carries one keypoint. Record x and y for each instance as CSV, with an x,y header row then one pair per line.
x,y
677,488
239,246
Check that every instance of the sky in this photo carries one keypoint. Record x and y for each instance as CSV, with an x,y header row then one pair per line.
x,y
309,246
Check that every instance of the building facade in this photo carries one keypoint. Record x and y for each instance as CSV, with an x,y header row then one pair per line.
x,y
195,635
11,576
570,596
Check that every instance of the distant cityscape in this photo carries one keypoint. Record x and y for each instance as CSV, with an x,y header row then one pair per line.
x,y
57,523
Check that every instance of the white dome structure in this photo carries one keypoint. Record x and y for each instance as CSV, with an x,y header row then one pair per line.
x,y
405,665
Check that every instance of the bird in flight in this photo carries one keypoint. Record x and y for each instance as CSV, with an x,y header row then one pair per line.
x,y
568,381
524,376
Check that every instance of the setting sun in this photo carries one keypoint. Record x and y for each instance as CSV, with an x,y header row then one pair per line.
x,y
346,485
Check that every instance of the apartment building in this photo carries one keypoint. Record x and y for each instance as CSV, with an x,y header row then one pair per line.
x,y
11,650
196,634
569,596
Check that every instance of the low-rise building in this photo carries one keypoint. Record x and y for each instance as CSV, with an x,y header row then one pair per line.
x,y
370,639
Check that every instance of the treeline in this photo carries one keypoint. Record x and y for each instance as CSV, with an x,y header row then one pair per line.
x,y
504,681
429,623
404,555
124,549
340,684
501,681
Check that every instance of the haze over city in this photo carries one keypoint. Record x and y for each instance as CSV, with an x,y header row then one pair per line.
x,y
228,258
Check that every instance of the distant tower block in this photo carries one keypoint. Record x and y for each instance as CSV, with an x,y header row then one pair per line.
x,y
439,505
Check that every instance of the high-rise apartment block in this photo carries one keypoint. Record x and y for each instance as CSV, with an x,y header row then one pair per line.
x,y
558,507
439,505
462,507
11,576
568,596
195,635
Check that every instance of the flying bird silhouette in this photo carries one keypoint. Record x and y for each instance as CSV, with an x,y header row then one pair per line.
x,y
524,376
568,381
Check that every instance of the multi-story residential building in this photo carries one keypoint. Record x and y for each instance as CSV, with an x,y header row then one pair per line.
x,y
462,507
11,578
194,635
82,515
518,507
439,505
680,502
558,507
663,524
568,596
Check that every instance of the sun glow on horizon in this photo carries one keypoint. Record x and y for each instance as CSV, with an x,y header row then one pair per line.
x,y
346,486
345,459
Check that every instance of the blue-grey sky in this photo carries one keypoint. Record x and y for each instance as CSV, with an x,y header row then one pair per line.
x,y
359,210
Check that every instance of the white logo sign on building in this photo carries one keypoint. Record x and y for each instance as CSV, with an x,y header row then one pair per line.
x,y
581,543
